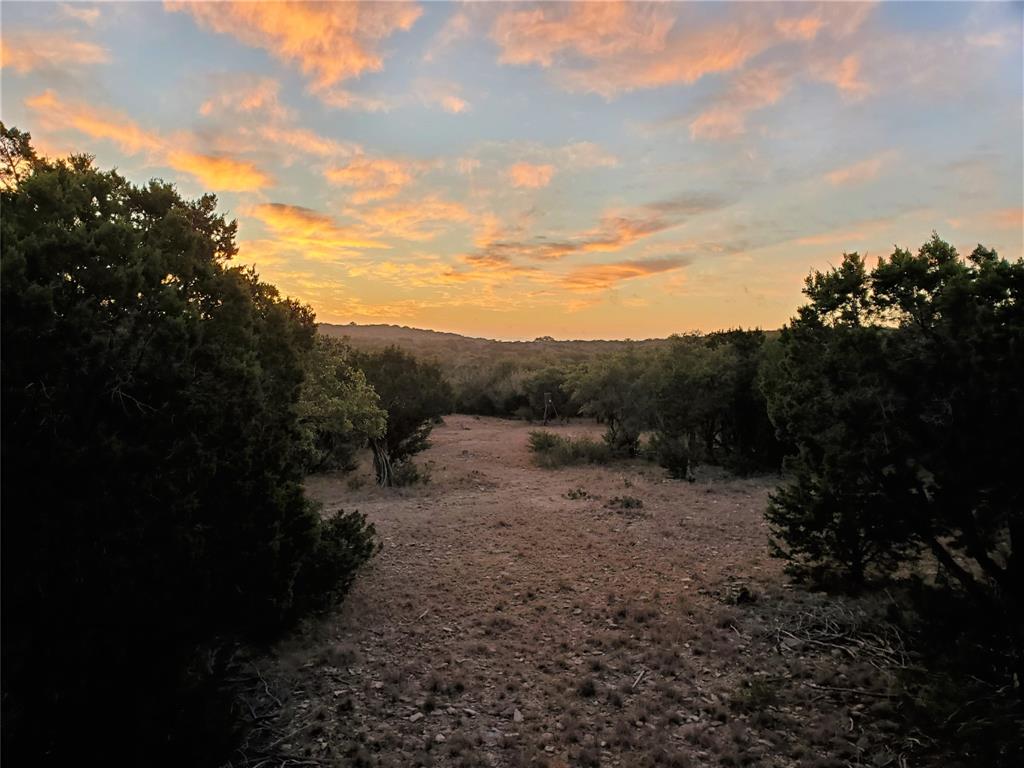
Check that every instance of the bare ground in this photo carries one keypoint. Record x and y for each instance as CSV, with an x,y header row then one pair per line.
x,y
505,623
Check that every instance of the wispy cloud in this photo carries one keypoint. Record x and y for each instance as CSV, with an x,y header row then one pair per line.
x,y
596,278
30,50
442,93
417,219
374,178
247,95
80,12
611,48
329,42
310,233
458,27
1008,218
616,230
845,74
862,171
749,91
529,176
219,172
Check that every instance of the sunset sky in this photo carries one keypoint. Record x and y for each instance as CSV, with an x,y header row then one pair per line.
x,y
595,170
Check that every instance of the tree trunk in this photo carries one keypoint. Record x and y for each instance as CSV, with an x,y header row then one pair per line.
x,y
381,462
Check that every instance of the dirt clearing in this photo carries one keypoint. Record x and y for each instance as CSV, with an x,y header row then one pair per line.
x,y
586,616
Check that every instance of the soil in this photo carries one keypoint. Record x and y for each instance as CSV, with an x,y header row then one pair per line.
x,y
526,616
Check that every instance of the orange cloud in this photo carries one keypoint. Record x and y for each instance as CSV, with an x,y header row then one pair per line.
x,y
748,92
1009,218
858,173
340,98
330,42
415,220
799,28
306,142
585,154
600,277
444,94
374,178
112,126
312,233
845,75
610,48
218,171
454,104
28,51
850,236
247,96
529,176
616,231
594,30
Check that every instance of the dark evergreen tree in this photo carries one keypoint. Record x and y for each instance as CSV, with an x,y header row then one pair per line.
x,y
153,512
903,392
414,394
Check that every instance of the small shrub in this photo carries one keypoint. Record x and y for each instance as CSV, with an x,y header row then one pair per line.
x,y
409,473
626,502
556,451
543,442
587,689
577,493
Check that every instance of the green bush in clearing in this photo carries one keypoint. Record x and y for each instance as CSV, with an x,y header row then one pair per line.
x,y
556,451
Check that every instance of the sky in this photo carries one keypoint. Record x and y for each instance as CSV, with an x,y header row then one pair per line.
x,y
578,170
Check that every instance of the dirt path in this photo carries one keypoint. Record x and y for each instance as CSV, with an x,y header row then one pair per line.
x,y
507,624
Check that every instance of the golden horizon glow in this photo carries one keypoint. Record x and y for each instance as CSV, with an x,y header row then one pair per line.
x,y
576,170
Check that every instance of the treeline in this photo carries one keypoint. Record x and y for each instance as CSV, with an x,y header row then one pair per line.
x,y
161,409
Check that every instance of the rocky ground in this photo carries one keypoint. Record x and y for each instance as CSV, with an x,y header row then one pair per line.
x,y
584,616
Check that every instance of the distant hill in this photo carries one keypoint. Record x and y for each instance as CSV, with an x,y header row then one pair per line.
x,y
444,345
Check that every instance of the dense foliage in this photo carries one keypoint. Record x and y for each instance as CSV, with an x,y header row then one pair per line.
x,y
414,394
338,410
902,389
616,390
153,455
708,405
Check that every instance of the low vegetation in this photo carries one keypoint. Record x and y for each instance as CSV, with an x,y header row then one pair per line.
x,y
551,450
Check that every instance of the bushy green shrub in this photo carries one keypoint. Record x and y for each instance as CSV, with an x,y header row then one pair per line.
x,y
541,441
673,453
902,389
338,410
415,394
616,390
153,463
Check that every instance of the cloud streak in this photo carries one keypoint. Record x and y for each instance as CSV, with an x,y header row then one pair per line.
x,y
860,172
220,172
597,278
32,50
310,233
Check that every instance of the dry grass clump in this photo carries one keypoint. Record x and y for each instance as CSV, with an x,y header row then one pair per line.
x,y
552,451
